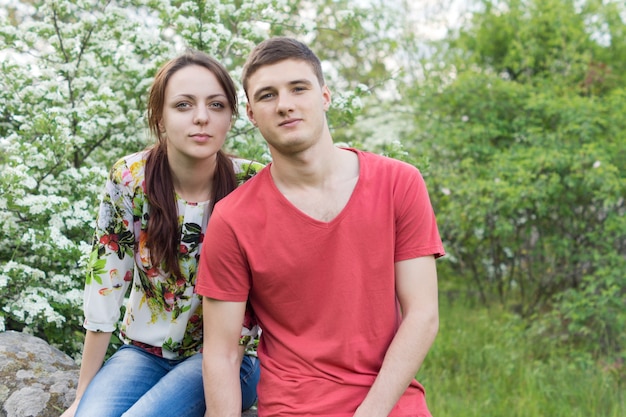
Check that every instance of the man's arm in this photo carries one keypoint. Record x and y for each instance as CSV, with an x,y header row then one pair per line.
x,y
416,287
221,356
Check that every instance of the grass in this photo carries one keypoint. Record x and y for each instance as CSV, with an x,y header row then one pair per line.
x,y
482,364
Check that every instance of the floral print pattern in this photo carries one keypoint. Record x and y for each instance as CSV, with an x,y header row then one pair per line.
x,y
162,313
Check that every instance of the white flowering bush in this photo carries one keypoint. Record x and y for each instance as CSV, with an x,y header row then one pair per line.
x,y
73,85
71,91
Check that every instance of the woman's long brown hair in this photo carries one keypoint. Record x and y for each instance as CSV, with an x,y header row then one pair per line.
x,y
163,232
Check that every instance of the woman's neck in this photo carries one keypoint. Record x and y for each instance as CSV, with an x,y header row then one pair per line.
x,y
193,179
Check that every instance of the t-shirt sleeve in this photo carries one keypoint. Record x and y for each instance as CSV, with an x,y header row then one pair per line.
x,y
223,273
417,234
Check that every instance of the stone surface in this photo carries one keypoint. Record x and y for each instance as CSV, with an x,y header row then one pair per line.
x,y
36,379
249,413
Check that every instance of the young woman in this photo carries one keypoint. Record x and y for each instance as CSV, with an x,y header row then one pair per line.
x,y
149,231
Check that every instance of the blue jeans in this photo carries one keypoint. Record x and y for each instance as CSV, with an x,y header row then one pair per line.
x,y
135,383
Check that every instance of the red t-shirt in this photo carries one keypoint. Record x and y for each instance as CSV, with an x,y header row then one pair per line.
x,y
323,292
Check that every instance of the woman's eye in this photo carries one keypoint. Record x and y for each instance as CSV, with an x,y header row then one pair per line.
x,y
183,105
218,105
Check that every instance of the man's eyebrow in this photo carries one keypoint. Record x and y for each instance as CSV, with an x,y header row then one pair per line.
x,y
265,89
302,81
261,91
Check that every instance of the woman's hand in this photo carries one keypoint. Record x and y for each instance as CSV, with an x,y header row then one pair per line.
x,y
72,410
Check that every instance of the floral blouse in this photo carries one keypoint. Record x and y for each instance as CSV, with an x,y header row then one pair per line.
x,y
163,314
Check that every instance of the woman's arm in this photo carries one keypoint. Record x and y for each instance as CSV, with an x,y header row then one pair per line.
x,y
94,350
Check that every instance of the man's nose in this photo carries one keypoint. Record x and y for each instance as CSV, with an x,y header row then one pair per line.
x,y
284,103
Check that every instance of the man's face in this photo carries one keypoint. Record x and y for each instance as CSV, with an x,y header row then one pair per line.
x,y
288,105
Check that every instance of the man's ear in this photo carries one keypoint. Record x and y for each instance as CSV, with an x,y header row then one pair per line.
x,y
250,114
326,97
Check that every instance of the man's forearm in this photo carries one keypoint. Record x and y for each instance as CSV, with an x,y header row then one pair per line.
x,y
222,389
402,362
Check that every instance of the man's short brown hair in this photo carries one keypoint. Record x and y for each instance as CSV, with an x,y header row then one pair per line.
x,y
277,49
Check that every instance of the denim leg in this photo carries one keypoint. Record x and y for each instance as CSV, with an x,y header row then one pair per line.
x,y
121,381
135,383
249,378
178,394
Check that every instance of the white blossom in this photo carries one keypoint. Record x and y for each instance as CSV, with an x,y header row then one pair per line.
x,y
59,239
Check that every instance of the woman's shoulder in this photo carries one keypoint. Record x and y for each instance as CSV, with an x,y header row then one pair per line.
x,y
130,169
132,159
245,168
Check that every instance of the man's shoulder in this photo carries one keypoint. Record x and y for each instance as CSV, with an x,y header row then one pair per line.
x,y
382,163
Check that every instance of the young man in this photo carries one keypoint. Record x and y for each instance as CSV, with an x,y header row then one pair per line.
x,y
334,249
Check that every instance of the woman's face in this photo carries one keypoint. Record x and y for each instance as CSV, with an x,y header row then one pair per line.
x,y
196,115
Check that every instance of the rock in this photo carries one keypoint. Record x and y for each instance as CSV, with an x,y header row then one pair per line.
x,y
36,379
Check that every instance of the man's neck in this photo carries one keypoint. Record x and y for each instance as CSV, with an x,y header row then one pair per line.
x,y
310,168
322,187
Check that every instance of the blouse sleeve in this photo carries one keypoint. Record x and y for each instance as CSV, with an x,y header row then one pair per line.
x,y
246,169
250,330
111,261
